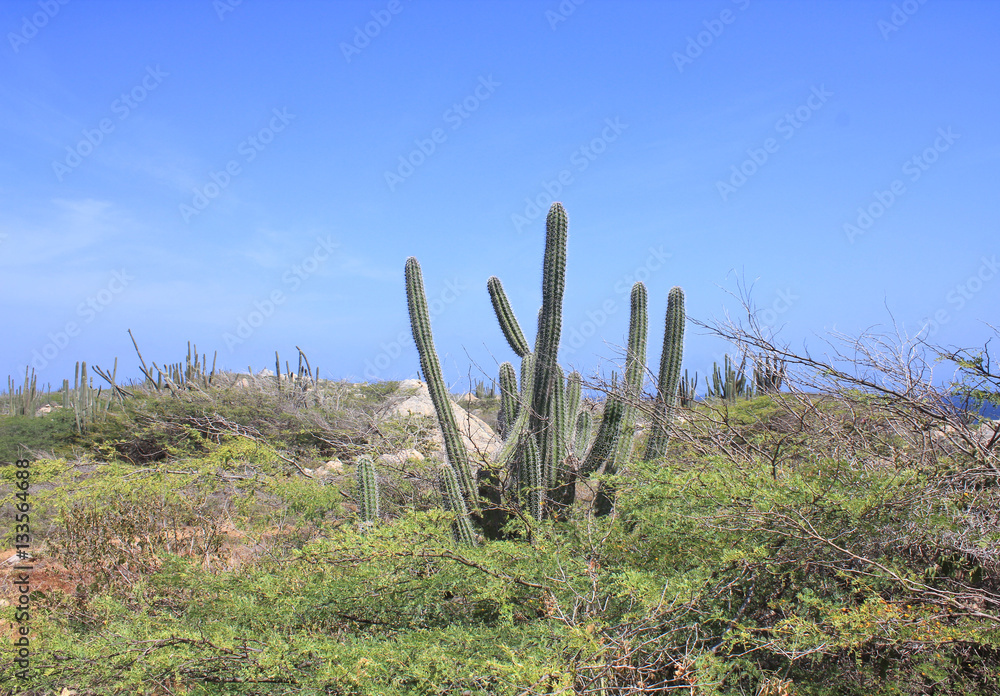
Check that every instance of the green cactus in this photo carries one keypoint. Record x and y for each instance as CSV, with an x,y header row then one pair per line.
x,y
505,315
555,434
542,417
574,390
686,389
608,431
768,374
454,501
531,475
581,436
509,402
729,383
670,370
635,372
368,490
549,330
420,323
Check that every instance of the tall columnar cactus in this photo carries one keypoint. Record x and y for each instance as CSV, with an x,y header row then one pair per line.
x,y
531,475
574,390
420,324
368,493
509,402
505,315
454,501
555,434
549,330
670,372
608,431
581,436
543,417
635,372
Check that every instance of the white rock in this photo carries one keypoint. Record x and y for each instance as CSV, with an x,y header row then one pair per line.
x,y
412,398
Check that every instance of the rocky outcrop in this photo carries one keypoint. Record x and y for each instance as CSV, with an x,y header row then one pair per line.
x,y
412,398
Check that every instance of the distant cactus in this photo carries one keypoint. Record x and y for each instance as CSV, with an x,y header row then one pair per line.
x,y
686,390
768,374
729,383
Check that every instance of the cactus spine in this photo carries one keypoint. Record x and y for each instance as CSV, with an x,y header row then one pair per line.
x,y
670,372
368,490
421,326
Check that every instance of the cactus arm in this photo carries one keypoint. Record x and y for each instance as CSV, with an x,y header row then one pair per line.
x,y
556,433
505,315
506,454
635,373
509,405
420,323
454,501
549,329
532,477
574,390
581,438
669,377
607,435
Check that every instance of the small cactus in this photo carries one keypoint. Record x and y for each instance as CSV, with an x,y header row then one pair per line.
x,y
368,498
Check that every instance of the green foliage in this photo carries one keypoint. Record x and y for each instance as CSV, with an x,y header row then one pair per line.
x,y
21,435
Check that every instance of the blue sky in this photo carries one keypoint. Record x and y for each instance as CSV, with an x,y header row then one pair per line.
x,y
252,176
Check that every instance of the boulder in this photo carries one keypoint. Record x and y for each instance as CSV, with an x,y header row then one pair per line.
x,y
334,467
412,398
402,457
